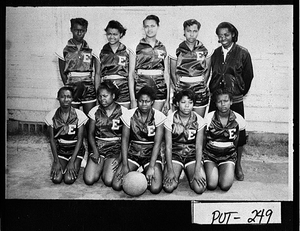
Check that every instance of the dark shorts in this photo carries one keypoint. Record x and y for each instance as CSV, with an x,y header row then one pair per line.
x,y
157,82
67,152
84,92
209,157
109,149
184,154
140,154
239,108
200,89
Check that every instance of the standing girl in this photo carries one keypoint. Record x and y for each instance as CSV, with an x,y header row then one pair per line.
x,y
141,140
115,59
79,65
184,130
151,66
104,136
66,126
192,67
232,68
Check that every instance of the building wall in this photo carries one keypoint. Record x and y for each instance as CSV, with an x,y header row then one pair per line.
x,y
34,34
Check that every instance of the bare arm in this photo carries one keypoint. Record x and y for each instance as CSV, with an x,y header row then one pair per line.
x,y
131,79
62,64
97,66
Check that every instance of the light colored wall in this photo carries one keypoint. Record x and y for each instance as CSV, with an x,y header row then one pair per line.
x,y
34,34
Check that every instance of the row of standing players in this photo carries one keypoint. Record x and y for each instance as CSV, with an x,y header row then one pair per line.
x,y
120,79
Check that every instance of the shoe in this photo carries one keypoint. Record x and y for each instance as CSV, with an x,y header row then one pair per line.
x,y
239,175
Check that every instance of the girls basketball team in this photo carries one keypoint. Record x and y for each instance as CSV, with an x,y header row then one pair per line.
x,y
136,115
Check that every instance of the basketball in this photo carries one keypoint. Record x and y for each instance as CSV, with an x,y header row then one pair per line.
x,y
134,183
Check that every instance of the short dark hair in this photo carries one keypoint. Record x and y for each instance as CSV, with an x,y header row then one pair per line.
x,y
185,92
221,91
113,24
152,17
80,21
146,90
65,88
191,22
231,28
110,87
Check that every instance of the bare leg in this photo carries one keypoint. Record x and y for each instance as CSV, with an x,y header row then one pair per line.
x,y
177,170
108,172
199,189
238,167
156,183
92,171
226,176
212,173
68,179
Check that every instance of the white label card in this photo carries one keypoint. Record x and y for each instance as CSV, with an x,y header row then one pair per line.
x,y
236,213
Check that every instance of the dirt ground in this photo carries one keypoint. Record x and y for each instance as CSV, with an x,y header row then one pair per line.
x,y
29,159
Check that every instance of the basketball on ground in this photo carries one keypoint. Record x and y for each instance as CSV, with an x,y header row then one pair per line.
x,y
134,183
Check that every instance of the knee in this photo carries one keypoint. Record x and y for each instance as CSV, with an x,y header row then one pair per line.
x,y
57,180
224,186
68,179
117,186
107,181
211,186
170,188
155,189
198,190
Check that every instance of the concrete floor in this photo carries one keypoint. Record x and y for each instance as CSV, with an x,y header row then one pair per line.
x,y
29,160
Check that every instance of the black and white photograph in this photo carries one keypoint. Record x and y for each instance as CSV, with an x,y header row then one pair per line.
x,y
150,104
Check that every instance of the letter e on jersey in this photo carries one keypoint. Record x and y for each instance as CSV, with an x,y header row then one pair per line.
x,y
72,128
232,133
191,134
86,57
151,130
122,60
115,124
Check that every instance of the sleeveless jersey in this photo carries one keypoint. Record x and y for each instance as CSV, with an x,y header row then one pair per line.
x,y
114,63
217,135
66,132
78,60
107,126
142,130
184,134
191,63
148,57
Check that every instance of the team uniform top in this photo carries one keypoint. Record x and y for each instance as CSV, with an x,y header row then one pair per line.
x,y
191,63
78,60
184,134
114,63
220,140
235,72
148,57
140,130
66,132
107,126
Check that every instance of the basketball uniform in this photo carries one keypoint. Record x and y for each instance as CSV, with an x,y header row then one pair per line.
x,y
79,68
150,68
142,134
65,133
114,67
220,140
190,70
108,130
184,137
